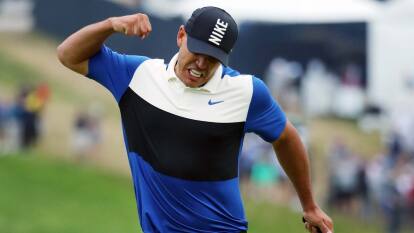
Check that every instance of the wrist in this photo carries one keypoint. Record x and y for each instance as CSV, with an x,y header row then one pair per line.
x,y
307,201
309,206
110,24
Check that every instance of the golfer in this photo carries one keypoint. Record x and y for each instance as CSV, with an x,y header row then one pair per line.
x,y
184,121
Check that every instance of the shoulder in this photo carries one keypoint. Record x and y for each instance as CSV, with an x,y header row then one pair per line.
x,y
232,80
149,71
227,71
108,60
153,65
259,87
234,77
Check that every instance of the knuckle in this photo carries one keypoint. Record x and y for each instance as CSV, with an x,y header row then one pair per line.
x,y
138,17
142,16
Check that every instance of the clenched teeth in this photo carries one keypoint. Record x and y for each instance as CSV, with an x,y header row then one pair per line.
x,y
196,73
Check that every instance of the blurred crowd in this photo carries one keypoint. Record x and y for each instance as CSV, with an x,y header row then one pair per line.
x,y
315,90
20,118
21,125
383,184
260,173
367,187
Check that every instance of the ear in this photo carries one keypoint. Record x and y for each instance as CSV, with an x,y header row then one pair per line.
x,y
180,35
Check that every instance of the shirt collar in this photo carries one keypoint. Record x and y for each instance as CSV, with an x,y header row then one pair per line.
x,y
212,84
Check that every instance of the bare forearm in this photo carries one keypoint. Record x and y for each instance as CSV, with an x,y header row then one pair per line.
x,y
76,50
292,156
83,44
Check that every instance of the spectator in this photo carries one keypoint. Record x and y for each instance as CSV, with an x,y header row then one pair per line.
x,y
30,102
86,134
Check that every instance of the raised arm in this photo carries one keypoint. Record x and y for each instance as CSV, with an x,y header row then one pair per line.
x,y
75,51
292,156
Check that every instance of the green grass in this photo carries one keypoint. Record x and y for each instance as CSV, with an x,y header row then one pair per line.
x,y
40,195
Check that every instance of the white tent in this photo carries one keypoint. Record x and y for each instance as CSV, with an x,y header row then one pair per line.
x,y
391,53
289,11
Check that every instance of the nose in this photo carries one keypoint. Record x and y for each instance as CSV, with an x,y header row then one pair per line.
x,y
202,61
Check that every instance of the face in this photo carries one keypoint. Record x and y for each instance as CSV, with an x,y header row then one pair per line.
x,y
194,70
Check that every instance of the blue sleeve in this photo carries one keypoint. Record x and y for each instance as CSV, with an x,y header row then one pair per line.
x,y
265,117
113,70
229,71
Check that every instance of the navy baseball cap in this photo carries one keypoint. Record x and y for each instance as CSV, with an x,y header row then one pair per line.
x,y
211,31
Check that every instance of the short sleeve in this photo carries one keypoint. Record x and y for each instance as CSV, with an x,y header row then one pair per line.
x,y
265,117
113,70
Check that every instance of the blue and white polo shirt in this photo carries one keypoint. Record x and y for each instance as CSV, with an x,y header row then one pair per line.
x,y
184,143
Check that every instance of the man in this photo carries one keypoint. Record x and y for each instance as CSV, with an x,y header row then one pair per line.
x,y
184,122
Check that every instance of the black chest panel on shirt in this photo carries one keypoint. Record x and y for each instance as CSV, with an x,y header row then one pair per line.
x,y
180,147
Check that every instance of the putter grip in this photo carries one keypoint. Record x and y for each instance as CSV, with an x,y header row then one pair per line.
x,y
304,220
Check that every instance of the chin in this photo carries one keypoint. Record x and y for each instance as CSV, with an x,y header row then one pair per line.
x,y
192,85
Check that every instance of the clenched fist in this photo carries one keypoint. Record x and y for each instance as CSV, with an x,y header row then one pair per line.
x,y
132,25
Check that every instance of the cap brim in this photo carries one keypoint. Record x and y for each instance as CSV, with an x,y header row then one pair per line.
x,y
198,46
